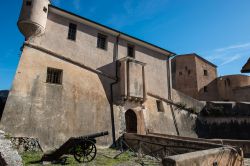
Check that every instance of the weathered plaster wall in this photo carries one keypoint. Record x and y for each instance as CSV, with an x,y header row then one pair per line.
x,y
229,87
224,156
186,123
81,105
83,50
204,80
53,113
184,75
223,127
155,69
158,122
242,94
179,97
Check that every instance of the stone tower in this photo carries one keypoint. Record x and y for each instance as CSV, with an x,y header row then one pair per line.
x,y
33,17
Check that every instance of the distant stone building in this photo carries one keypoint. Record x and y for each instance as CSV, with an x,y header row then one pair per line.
x,y
197,77
77,77
233,88
246,67
191,75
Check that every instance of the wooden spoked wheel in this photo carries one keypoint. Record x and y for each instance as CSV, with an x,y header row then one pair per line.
x,y
85,152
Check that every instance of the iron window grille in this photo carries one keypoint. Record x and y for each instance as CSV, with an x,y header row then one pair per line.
x,y
102,41
54,76
72,31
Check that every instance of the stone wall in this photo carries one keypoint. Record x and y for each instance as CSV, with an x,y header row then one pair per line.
x,y
179,97
242,94
189,78
54,113
223,127
220,156
23,144
184,70
8,154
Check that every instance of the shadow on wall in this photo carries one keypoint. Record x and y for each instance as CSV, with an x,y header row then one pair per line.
x,y
231,130
209,92
3,99
107,84
224,120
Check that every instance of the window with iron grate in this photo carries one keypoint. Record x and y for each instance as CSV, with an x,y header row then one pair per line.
x,y
102,41
54,76
72,31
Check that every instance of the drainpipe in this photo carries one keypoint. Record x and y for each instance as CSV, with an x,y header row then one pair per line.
x,y
115,59
169,76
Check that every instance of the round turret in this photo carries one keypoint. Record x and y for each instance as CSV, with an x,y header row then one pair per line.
x,y
33,17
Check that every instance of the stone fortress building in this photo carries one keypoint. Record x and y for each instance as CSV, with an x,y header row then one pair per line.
x,y
197,77
77,77
246,67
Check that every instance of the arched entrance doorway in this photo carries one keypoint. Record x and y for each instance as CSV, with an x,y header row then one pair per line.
x,y
131,121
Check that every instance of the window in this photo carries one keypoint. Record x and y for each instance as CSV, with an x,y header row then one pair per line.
x,y
180,73
54,76
205,73
45,9
102,41
189,72
205,89
160,107
28,3
131,51
72,31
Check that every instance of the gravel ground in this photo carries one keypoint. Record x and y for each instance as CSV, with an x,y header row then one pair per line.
x,y
247,162
8,154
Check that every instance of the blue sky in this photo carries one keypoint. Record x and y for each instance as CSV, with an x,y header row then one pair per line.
x,y
218,30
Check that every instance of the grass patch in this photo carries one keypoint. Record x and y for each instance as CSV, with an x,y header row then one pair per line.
x,y
103,158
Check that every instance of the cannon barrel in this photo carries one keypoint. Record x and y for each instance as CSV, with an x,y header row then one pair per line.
x,y
94,135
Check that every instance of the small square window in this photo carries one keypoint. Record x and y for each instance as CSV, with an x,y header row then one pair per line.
x,y
102,41
205,73
28,3
205,89
160,107
45,9
72,31
180,73
131,51
54,76
189,72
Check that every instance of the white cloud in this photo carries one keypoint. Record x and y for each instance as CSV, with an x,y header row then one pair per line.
x,y
239,46
231,59
229,54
